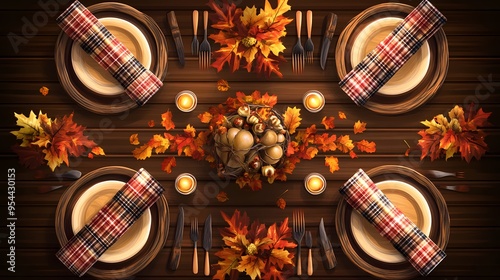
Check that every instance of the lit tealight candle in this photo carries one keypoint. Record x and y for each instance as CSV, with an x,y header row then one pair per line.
x,y
186,101
185,183
315,183
314,101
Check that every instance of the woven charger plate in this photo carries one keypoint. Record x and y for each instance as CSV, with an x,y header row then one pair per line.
x,y
160,220
439,232
116,103
404,101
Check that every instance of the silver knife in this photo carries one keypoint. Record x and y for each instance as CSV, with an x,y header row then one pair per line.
x,y
331,24
326,247
175,256
207,242
176,33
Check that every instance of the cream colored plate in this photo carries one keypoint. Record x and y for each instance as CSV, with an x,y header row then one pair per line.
x,y
91,201
96,78
407,199
408,76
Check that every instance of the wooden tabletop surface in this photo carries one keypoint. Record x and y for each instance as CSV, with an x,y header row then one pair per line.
x,y
474,75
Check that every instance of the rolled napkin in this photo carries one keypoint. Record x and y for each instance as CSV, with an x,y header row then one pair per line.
x,y
82,26
110,223
392,53
364,196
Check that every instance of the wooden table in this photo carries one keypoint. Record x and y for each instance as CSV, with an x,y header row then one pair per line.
x,y
473,35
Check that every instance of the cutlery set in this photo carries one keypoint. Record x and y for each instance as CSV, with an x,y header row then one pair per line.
x,y
175,255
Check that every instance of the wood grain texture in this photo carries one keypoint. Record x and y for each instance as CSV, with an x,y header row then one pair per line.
x,y
473,76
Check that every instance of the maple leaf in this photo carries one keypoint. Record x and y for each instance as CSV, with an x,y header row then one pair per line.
x,y
479,119
435,127
30,128
310,153
225,16
292,148
268,65
333,163
238,224
328,122
151,123
281,203
42,140
222,196
222,85
292,119
342,115
359,127
274,274
167,122
227,55
251,180
280,236
344,143
429,145
365,146
167,164
44,90
143,152
54,158
159,143
280,258
251,265
134,139
326,142
205,117
31,157
98,151
269,100
472,145
228,261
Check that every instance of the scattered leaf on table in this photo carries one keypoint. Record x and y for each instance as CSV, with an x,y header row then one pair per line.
x,y
167,164
167,122
134,139
98,151
44,90
342,115
222,85
281,203
365,146
292,119
328,122
159,143
151,123
333,163
359,127
222,196
344,143
143,152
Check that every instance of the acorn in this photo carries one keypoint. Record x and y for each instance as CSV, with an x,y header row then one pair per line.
x,y
281,138
259,128
238,122
268,171
244,110
274,121
252,119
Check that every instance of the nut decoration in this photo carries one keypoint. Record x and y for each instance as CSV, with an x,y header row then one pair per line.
x,y
268,170
244,110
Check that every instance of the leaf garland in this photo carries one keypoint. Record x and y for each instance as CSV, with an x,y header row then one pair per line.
x,y
249,39
51,141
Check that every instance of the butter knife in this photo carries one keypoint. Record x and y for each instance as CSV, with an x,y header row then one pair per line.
x,y
331,24
176,33
175,256
326,247
207,242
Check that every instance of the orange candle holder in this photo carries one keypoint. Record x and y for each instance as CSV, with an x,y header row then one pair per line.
x,y
185,183
315,183
186,101
313,101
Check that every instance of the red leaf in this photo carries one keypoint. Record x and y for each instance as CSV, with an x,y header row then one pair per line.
x,y
31,157
167,164
430,145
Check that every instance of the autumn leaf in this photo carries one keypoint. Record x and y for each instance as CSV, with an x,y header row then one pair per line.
x,y
342,115
143,152
228,261
205,117
479,119
281,203
251,180
359,127
167,122
326,142
352,154
167,164
292,119
159,143
472,145
365,146
222,196
344,143
31,157
429,145
222,85
268,100
30,128
151,123
134,139
251,265
333,163
280,258
44,90
98,151
328,122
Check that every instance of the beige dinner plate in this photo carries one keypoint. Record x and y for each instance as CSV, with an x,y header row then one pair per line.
x,y
407,199
87,206
95,77
410,74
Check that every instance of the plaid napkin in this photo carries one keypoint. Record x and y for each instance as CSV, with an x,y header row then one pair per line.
x,y
392,53
82,26
110,223
364,196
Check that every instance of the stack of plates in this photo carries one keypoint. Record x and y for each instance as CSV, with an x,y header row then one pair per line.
x,y
141,242
420,77
417,197
87,82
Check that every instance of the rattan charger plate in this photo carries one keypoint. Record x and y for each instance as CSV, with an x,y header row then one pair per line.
x,y
93,100
439,231
419,94
160,220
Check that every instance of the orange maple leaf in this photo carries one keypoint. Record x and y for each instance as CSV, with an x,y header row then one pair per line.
x,y
151,123
134,139
269,100
222,196
205,117
251,180
326,142
167,164
328,122
143,152
344,143
333,163
342,115
365,146
292,119
44,90
98,151
359,127
167,122
222,85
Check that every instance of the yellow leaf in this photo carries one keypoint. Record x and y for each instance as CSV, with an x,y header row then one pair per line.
x,y
134,139
249,55
333,163
271,13
280,257
98,151
160,143
365,146
143,152
250,17
252,265
292,119
43,140
167,122
53,159
222,85
359,127
342,115
30,128
344,143
190,130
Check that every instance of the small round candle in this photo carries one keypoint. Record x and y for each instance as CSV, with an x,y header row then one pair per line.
x,y
313,101
186,101
315,183
185,183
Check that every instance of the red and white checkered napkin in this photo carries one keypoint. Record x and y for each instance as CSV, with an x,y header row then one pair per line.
x,y
392,53
82,26
364,196
110,223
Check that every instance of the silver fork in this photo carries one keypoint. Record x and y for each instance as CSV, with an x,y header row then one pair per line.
x,y
298,50
205,54
194,238
309,46
195,45
441,174
299,229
